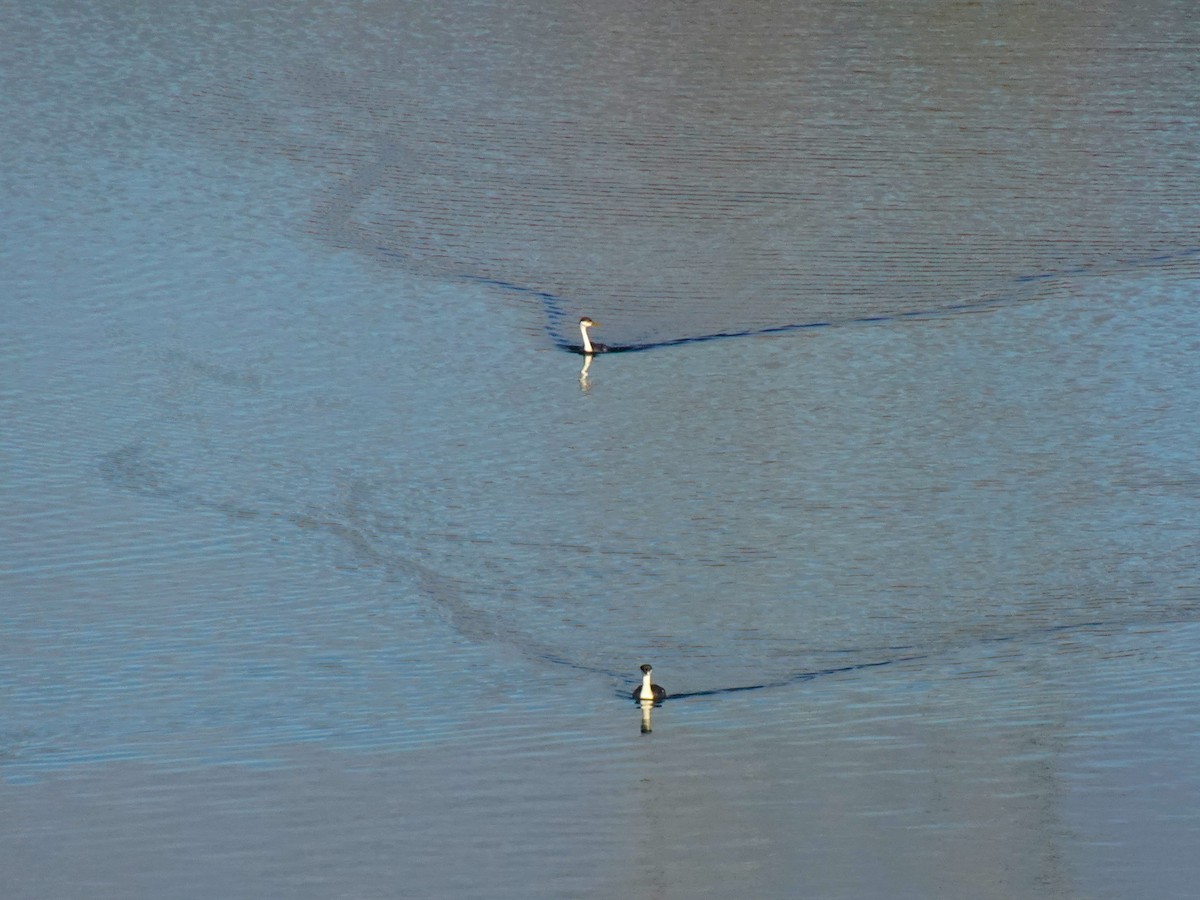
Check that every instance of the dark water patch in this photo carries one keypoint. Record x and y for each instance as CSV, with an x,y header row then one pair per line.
x,y
134,467
370,533
848,164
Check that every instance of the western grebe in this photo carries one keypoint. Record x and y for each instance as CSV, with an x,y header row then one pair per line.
x,y
588,346
648,691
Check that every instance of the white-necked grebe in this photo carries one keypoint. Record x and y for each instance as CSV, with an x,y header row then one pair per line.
x,y
588,345
648,691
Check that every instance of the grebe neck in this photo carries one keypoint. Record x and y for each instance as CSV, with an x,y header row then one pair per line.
x,y
647,691
587,344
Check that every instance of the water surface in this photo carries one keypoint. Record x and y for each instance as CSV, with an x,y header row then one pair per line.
x,y
326,572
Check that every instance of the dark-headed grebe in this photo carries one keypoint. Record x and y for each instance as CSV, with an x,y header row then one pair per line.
x,y
588,346
648,691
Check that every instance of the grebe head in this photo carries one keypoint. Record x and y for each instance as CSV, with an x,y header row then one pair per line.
x,y
585,322
647,668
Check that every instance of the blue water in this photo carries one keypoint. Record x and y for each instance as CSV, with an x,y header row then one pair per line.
x,y
327,572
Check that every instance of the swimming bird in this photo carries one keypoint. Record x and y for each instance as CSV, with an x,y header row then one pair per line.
x,y
648,691
588,346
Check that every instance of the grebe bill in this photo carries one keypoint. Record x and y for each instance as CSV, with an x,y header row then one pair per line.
x,y
588,346
648,690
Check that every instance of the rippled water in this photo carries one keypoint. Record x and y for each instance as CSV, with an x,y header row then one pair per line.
x,y
713,169
326,573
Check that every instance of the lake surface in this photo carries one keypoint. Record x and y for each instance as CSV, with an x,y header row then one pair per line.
x,y
327,573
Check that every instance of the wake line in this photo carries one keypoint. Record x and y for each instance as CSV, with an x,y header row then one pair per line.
x,y
554,305
801,677
797,678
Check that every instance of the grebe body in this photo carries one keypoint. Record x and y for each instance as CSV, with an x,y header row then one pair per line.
x,y
648,690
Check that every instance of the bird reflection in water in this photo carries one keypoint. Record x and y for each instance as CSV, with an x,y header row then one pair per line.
x,y
585,383
646,706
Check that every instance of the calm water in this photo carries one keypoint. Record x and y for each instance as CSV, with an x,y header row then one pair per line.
x,y
327,574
